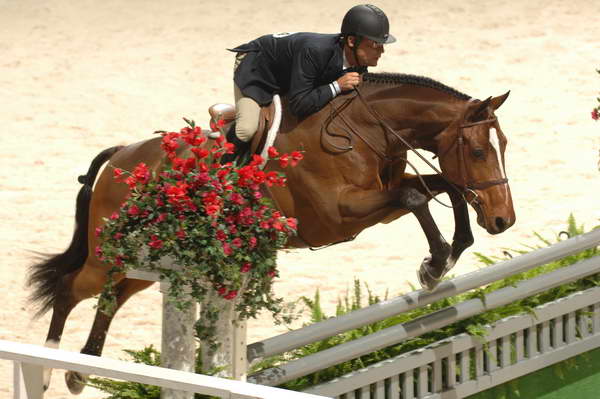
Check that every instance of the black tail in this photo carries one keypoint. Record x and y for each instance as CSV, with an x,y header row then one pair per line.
x,y
45,277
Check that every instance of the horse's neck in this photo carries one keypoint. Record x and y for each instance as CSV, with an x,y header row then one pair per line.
x,y
418,114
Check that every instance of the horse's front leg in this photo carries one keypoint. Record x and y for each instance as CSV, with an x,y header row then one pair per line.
x,y
435,266
463,236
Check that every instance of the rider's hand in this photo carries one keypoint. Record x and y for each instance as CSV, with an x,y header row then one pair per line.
x,y
348,81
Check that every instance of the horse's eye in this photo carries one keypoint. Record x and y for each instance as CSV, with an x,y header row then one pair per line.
x,y
478,153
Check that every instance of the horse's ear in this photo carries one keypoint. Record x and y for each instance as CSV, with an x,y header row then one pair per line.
x,y
477,109
498,101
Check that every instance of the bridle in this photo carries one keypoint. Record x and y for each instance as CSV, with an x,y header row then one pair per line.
x,y
466,183
467,186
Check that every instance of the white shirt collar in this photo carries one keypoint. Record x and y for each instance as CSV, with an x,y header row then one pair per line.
x,y
345,63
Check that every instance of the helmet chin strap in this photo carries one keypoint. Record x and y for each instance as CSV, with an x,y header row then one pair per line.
x,y
357,41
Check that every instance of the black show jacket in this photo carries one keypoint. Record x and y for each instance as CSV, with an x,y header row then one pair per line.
x,y
297,65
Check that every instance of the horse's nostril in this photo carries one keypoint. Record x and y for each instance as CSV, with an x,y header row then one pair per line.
x,y
500,223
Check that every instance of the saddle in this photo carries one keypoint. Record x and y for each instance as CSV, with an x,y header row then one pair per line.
x,y
223,115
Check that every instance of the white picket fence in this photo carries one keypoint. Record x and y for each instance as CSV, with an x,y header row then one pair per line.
x,y
31,360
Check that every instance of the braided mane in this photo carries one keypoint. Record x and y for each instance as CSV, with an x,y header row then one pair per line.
x,y
401,78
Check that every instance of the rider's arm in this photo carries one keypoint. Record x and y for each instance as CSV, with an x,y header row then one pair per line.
x,y
305,98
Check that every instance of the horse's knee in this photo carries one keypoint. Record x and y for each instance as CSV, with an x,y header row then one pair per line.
x,y
410,198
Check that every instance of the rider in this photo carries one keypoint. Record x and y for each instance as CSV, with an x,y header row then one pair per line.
x,y
309,68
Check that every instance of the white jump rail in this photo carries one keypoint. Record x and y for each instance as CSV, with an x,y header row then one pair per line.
x,y
33,359
463,365
401,332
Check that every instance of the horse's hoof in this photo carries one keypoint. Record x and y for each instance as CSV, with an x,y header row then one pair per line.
x,y
427,284
75,382
426,279
46,380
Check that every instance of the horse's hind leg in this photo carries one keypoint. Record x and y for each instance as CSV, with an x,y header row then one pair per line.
x,y
73,288
95,342
63,305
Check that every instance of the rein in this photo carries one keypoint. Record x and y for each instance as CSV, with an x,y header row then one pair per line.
x,y
467,186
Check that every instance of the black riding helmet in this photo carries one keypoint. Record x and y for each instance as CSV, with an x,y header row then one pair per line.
x,y
368,21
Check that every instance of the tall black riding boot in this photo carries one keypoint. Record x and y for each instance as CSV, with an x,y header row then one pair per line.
x,y
241,149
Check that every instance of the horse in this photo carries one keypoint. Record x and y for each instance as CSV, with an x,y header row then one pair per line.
x,y
353,176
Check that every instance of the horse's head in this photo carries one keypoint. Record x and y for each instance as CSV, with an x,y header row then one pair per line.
x,y
471,152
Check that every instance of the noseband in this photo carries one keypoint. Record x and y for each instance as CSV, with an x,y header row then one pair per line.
x,y
467,186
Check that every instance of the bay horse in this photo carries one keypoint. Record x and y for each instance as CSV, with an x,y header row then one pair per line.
x,y
353,176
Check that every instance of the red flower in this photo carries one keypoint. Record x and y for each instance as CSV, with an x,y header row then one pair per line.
x,y
227,249
98,231
257,160
118,261
222,290
202,167
237,198
273,152
231,294
131,182
117,173
141,173
237,242
257,195
292,223
212,209
222,173
284,160
272,273
271,178
178,193
155,242
229,148
277,224
252,241
200,153
184,165
181,234
246,267
133,210
169,143
114,216
246,212
194,137
118,236
296,157
221,236
595,114
98,252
